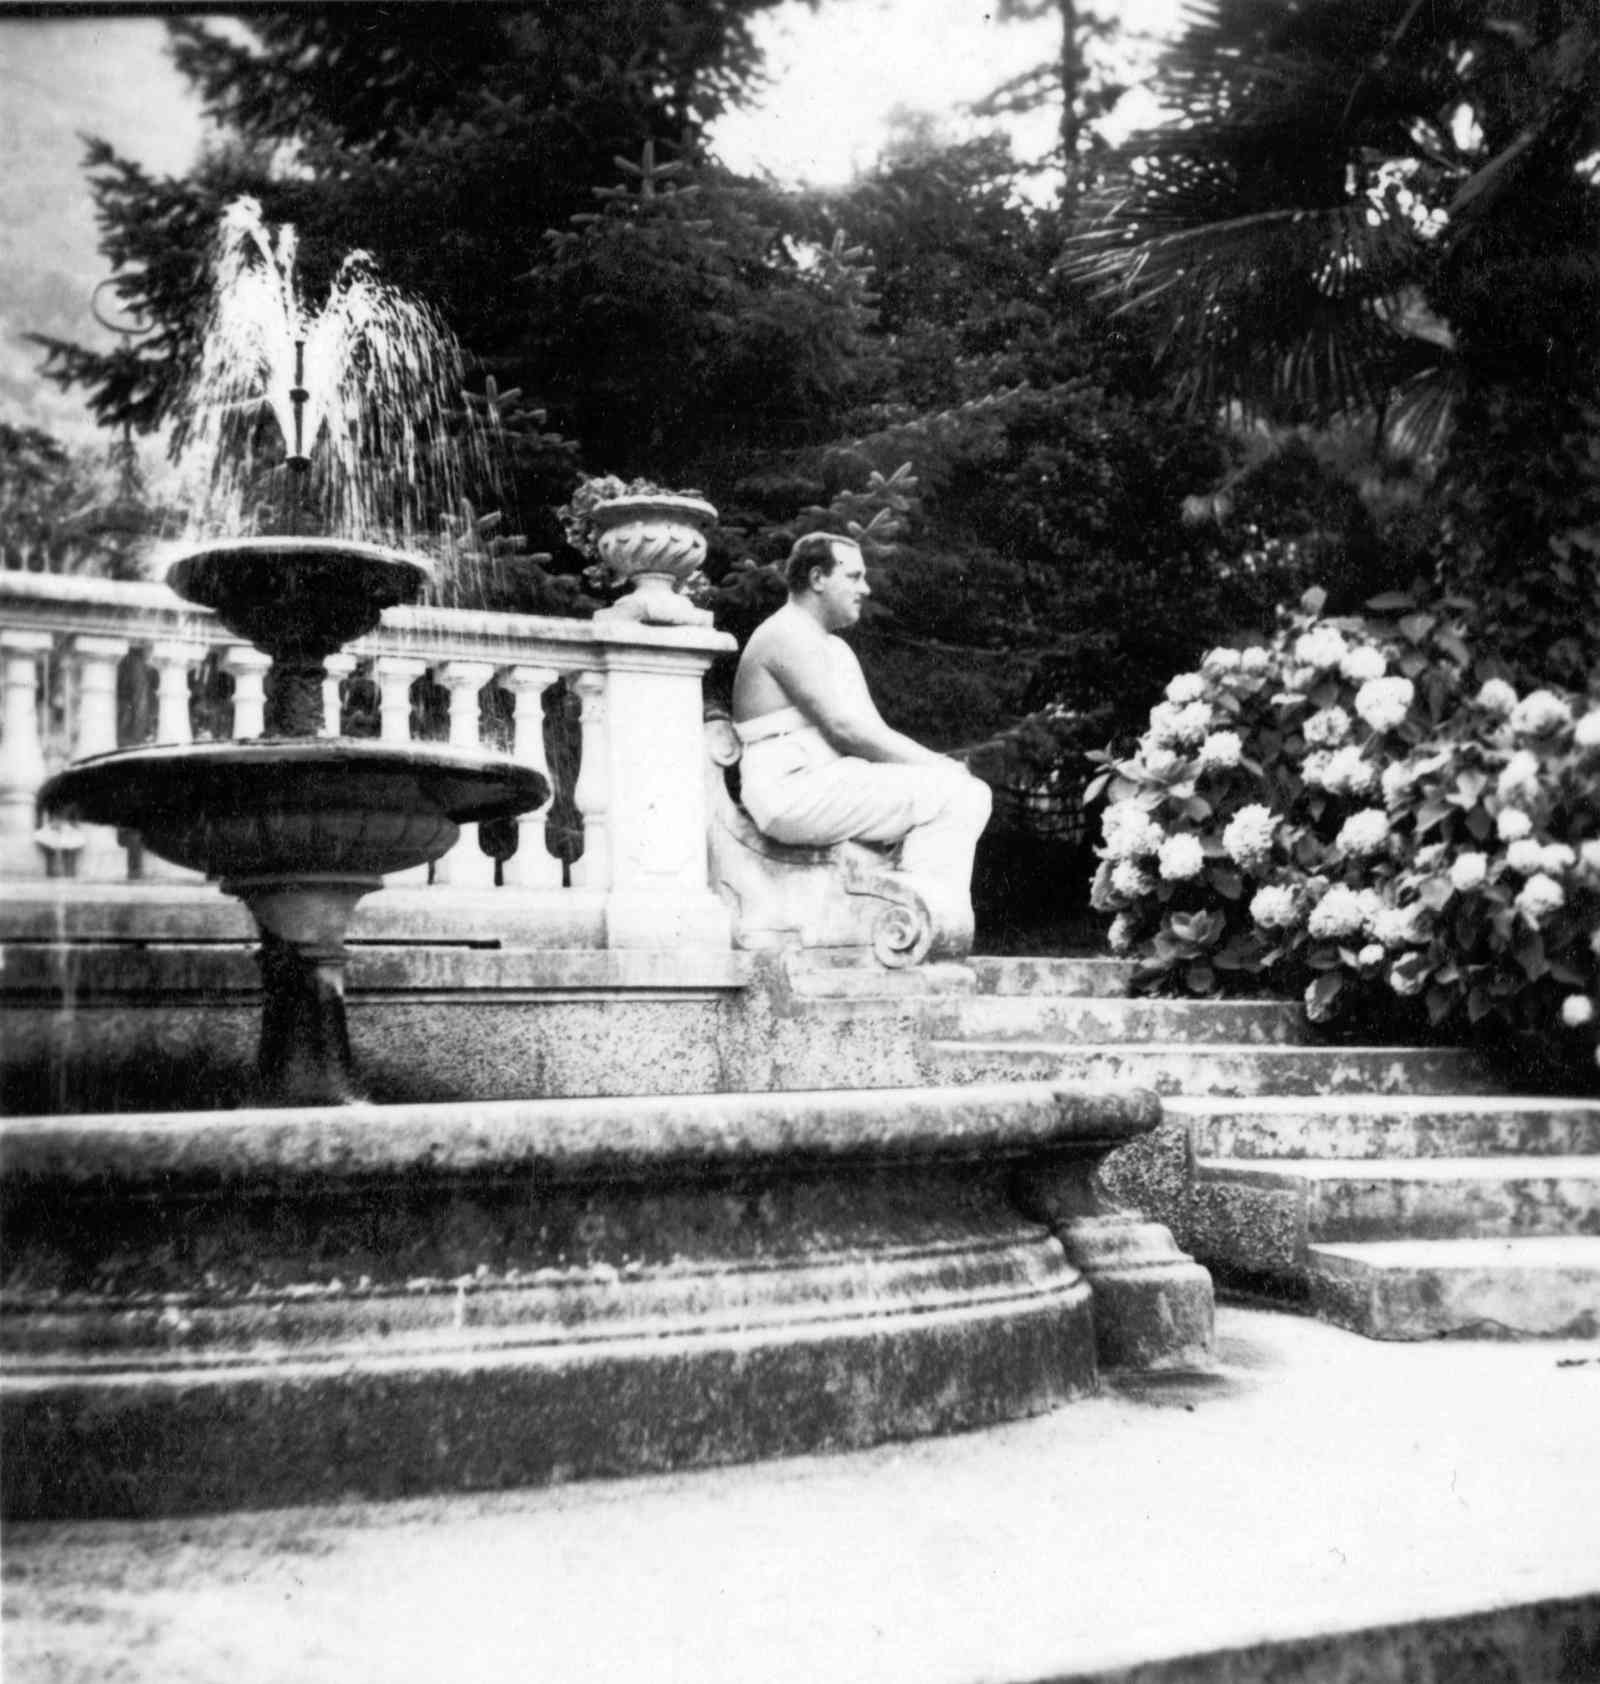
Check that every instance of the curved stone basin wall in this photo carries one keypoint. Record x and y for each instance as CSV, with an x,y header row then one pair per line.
x,y
222,1309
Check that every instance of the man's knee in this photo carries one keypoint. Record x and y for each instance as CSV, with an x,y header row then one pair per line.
x,y
971,800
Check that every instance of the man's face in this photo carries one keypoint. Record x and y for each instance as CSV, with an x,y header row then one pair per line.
x,y
844,589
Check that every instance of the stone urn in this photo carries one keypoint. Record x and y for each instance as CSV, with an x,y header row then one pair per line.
x,y
653,541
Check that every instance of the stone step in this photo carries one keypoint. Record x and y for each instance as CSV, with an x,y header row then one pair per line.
x,y
1096,977
1388,1126
1184,1068
1098,1018
1419,1198
1546,1287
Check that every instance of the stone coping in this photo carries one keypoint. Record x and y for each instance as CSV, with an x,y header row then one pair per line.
x,y
87,605
566,1139
162,975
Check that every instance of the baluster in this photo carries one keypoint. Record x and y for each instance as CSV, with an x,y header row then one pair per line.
x,y
22,764
532,866
172,661
249,668
336,669
466,866
103,858
592,794
394,675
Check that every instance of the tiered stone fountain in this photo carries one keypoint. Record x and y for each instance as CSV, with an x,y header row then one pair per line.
x,y
315,1298
297,825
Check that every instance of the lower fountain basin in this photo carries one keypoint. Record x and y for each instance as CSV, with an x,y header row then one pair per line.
x,y
276,807
266,1307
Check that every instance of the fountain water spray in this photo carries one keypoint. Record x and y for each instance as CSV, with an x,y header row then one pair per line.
x,y
370,437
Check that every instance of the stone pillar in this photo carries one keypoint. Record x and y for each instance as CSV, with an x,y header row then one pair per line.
x,y
22,765
172,662
659,892
394,675
466,866
532,866
335,669
248,668
591,794
103,859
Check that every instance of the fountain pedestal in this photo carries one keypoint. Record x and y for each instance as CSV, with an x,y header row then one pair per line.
x,y
304,1055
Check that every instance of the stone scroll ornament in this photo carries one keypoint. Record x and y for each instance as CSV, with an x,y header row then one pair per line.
x,y
849,896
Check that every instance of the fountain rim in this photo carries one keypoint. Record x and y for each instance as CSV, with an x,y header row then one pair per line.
x,y
188,551
285,755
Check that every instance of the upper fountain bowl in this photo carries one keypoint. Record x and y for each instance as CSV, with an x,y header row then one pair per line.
x,y
298,599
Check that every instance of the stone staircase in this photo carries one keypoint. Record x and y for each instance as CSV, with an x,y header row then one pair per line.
x,y
1401,1192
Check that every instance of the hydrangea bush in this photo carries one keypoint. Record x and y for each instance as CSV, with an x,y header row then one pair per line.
x,y
1366,812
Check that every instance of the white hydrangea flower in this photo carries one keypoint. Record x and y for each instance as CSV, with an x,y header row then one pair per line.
x,y
1163,716
1129,831
1162,762
1322,646
1577,1010
1221,750
1180,858
1119,938
1363,833
1385,702
1539,713
1469,870
1525,856
1396,926
1315,769
1586,733
1539,897
1557,857
1248,836
1255,659
1338,915
1371,956
1192,723
1130,881
1519,777
1186,687
1512,824
1497,697
1220,660
1589,858
1363,664
1326,728
1275,908
1349,772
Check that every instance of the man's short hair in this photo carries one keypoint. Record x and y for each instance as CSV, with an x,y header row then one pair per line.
x,y
816,549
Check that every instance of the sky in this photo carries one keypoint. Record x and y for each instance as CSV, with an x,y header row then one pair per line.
x,y
837,74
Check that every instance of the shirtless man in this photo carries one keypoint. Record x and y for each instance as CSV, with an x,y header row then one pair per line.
x,y
820,765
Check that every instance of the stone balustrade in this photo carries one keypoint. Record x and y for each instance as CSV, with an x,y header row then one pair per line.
x,y
90,665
